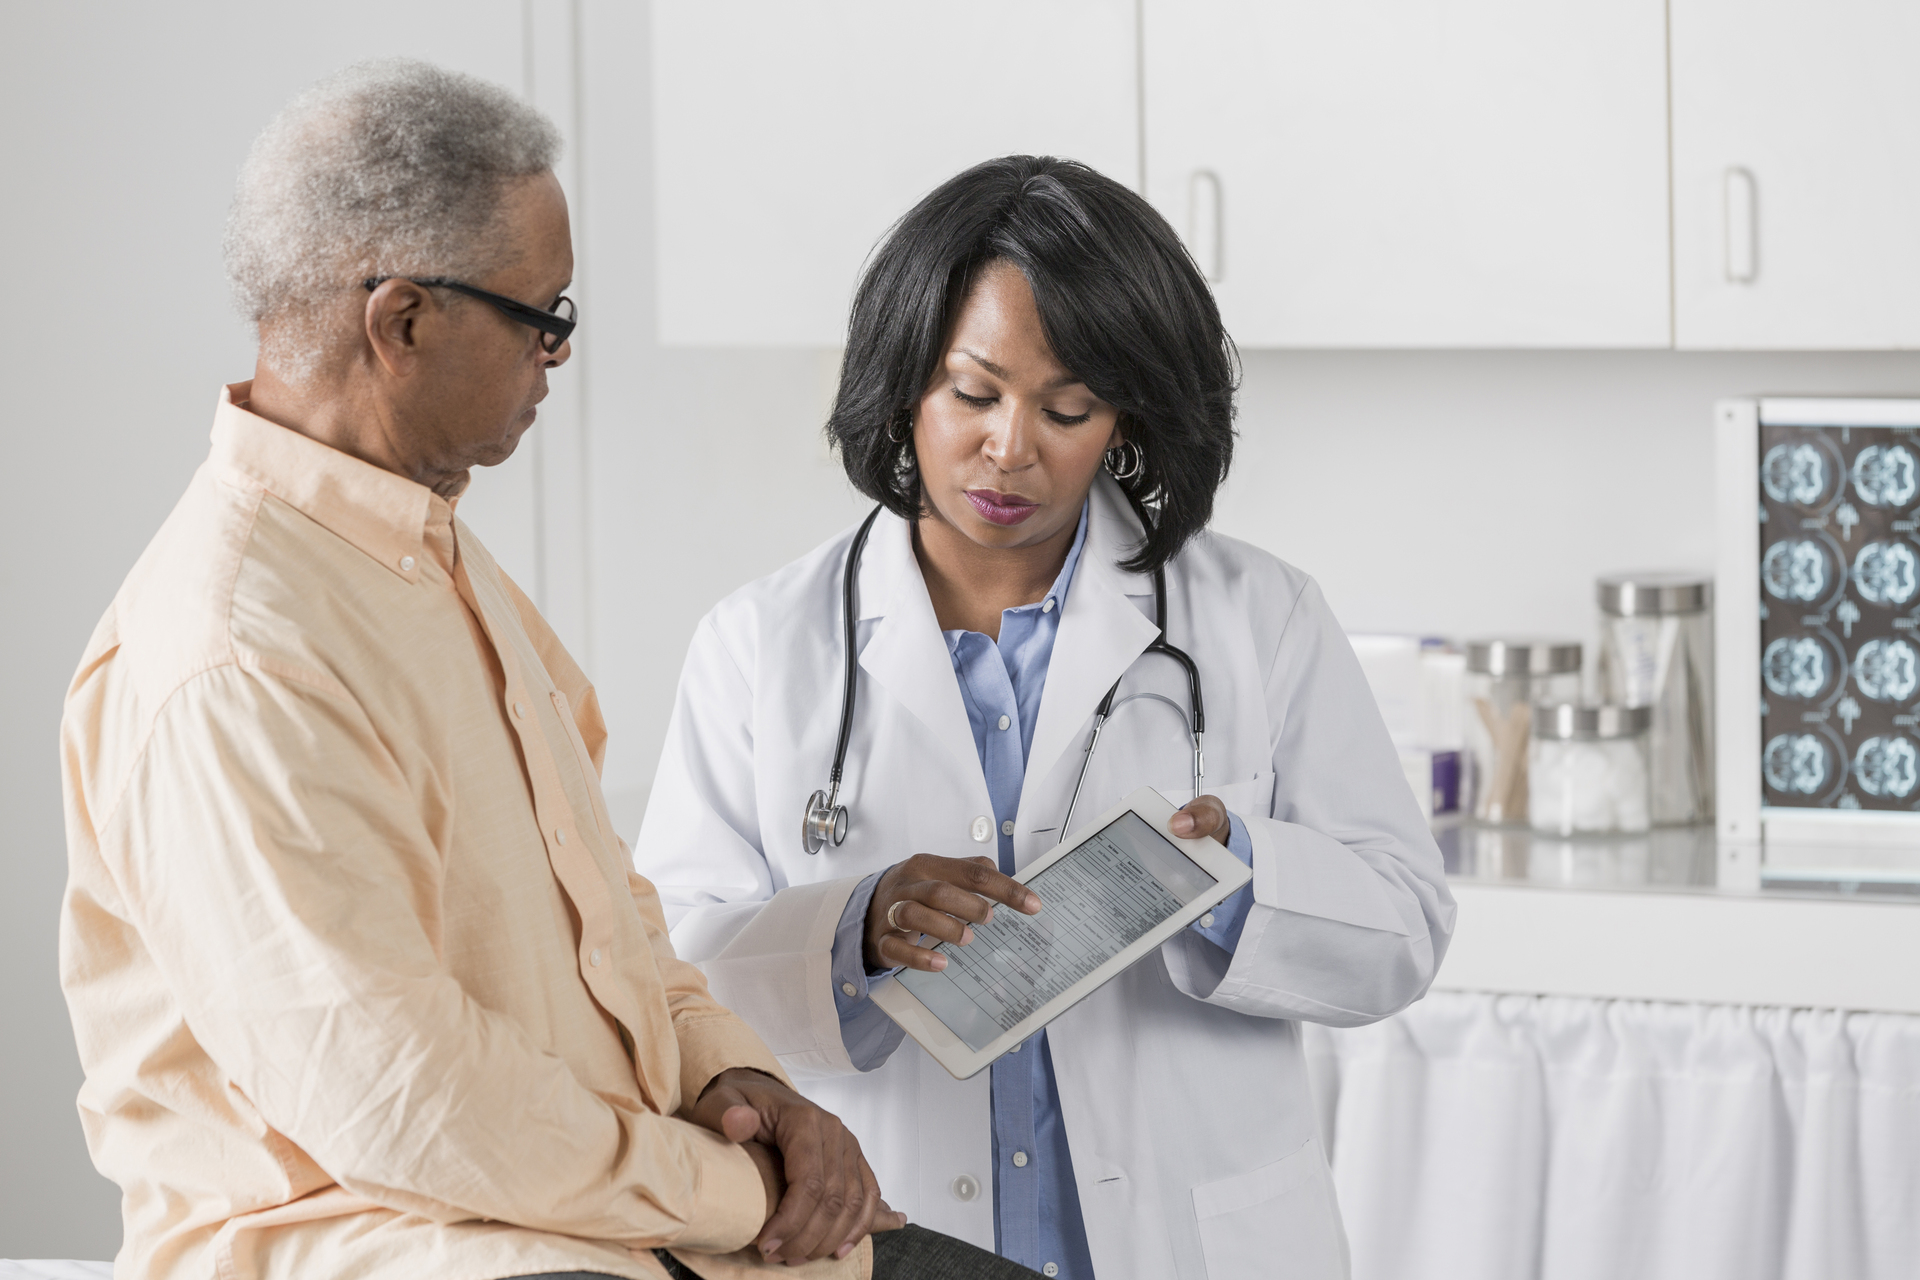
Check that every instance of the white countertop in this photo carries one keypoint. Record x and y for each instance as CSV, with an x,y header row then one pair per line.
x,y
1643,920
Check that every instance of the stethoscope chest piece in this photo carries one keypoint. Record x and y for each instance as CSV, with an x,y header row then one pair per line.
x,y
825,823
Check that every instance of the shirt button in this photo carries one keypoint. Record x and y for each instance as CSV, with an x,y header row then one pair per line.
x,y
1006,828
848,989
965,1187
406,563
560,834
1051,1269
1047,608
1006,722
1206,921
594,959
982,829
520,709
1015,1049
1019,1159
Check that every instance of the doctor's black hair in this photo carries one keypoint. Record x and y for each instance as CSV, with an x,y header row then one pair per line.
x,y
1121,302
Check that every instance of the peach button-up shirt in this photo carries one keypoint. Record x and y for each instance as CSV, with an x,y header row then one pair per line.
x,y
362,981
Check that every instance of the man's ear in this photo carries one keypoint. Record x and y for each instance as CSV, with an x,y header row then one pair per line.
x,y
394,312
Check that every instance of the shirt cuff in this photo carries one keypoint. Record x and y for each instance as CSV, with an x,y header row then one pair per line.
x,y
730,1205
712,1044
1230,917
869,1035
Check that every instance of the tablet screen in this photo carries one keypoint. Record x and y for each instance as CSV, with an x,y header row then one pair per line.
x,y
1114,887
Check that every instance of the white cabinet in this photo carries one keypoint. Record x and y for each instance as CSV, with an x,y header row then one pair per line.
x,y
1796,173
1417,173
790,134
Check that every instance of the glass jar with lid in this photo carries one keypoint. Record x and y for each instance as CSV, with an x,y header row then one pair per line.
x,y
1504,680
1587,769
1656,650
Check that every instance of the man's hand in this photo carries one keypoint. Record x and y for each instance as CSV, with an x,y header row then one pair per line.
x,y
940,897
1201,818
821,1196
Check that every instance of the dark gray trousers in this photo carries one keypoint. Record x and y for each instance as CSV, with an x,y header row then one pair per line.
x,y
911,1253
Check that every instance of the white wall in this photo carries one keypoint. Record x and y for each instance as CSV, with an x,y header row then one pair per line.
x,y
1434,492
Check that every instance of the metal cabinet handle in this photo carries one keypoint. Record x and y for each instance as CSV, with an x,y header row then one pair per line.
x,y
1206,233
1743,227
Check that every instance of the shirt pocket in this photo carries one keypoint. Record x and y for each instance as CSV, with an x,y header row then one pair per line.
x,y
1278,1220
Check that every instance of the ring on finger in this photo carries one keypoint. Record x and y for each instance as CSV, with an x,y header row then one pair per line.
x,y
893,917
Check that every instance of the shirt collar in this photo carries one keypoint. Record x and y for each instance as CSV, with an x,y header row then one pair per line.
x,y
1058,595
386,516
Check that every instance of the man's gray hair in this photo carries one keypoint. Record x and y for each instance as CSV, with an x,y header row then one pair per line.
x,y
390,167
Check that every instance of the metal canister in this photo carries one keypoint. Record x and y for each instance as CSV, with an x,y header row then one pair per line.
x,y
1505,679
1656,651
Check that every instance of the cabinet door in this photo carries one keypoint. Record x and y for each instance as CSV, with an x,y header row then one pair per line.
x,y
1796,173
790,135
1417,173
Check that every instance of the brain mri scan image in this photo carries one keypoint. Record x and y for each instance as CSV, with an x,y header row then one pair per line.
x,y
1795,569
1887,766
1795,473
1796,667
1886,573
1838,545
1887,670
1796,763
1884,475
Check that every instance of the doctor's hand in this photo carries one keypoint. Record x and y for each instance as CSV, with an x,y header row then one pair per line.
x,y
822,1198
940,897
1201,818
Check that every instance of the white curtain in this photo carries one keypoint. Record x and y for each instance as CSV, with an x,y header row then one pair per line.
x,y
1484,1137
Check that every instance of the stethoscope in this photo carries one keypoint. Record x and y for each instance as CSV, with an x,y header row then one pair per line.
x,y
825,821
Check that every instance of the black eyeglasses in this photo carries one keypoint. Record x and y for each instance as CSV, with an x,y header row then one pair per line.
x,y
557,323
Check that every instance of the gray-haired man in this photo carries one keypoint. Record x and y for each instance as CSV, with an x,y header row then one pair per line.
x,y
362,981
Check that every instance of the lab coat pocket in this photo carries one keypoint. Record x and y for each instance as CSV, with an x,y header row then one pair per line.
x,y
1277,1221
1248,798
1252,798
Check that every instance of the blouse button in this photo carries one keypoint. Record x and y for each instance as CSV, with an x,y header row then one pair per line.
x,y
982,829
560,835
519,709
406,563
594,959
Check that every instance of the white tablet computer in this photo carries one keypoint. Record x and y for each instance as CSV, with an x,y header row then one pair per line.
x,y
1109,897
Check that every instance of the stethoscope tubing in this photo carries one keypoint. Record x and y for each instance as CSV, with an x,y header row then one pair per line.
x,y
825,821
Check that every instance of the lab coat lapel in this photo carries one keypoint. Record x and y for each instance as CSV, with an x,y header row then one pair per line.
x,y
907,654
1101,630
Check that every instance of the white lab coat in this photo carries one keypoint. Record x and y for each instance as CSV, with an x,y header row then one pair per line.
x,y
1182,1082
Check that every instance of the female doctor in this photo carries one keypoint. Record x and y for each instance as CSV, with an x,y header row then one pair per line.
x,y
1038,393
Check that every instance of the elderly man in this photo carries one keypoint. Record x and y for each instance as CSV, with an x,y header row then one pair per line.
x,y
363,983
